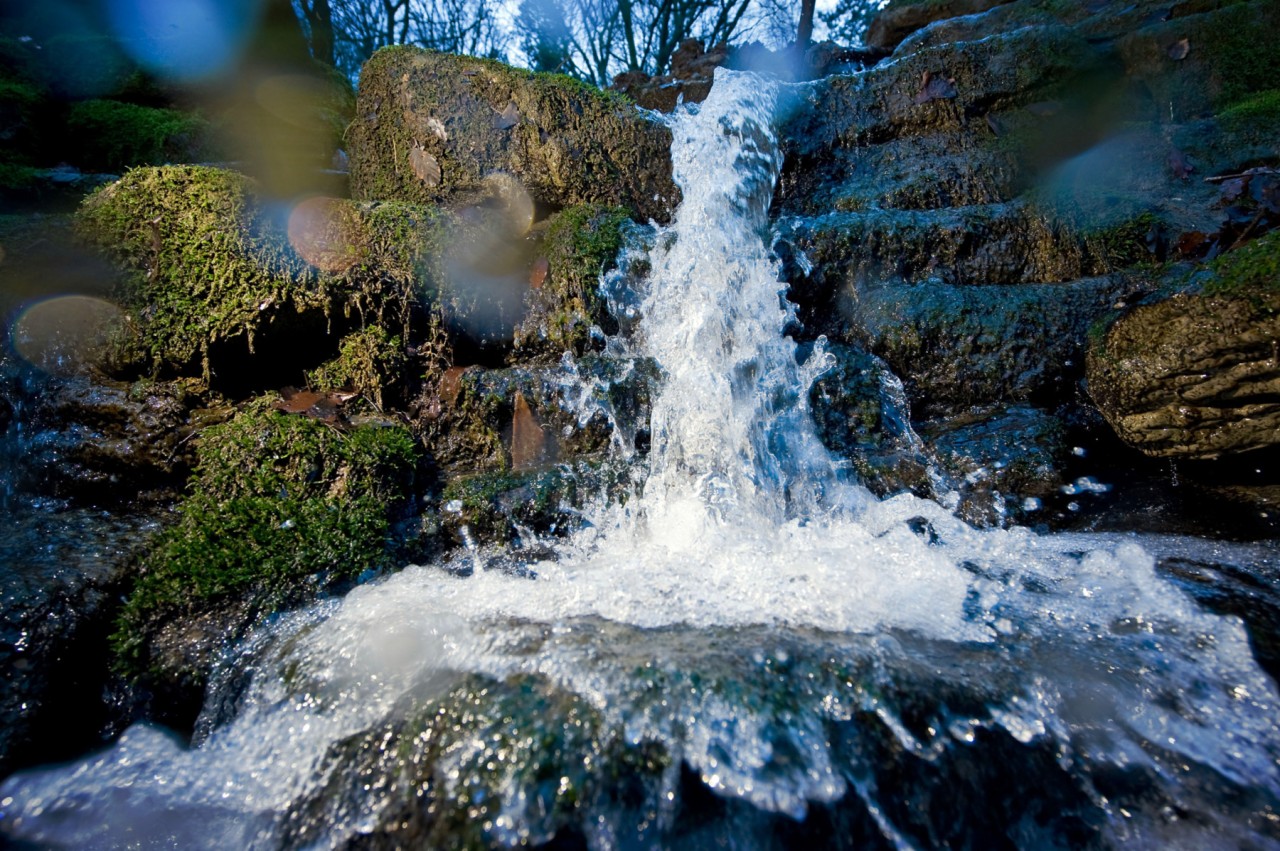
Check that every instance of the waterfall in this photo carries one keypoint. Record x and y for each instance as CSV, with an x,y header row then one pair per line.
x,y
765,625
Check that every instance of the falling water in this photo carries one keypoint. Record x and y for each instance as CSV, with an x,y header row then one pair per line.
x,y
750,652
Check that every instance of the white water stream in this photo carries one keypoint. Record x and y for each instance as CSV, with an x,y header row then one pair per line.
x,y
744,522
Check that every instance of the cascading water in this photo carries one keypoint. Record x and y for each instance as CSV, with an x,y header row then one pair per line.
x,y
751,653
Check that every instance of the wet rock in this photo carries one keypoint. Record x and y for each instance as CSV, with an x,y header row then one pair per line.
x,y
862,415
898,20
107,442
1002,463
960,347
520,508
1197,375
61,575
565,142
581,407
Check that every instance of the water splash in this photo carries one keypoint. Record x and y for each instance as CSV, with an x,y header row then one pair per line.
x,y
752,622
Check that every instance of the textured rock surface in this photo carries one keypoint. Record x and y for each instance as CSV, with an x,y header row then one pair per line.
x,y
430,127
1192,377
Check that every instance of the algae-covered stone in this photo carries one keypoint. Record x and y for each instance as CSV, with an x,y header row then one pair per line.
x,y
431,126
216,275
1197,375
280,507
564,300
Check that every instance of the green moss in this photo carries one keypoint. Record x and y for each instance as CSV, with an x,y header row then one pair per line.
x,y
1252,269
112,136
279,504
1262,106
209,263
582,243
368,362
16,176
1126,243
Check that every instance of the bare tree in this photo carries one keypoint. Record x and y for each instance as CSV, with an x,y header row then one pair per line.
x,y
359,27
317,20
804,32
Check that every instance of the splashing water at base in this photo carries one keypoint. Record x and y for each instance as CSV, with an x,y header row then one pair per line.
x,y
751,649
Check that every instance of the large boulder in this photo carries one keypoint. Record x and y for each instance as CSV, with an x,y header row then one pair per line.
x,y
1197,375
431,127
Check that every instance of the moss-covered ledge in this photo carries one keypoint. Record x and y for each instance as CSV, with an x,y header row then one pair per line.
x,y
280,508
213,275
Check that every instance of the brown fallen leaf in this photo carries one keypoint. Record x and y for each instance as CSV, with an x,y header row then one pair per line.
x,y
528,441
326,407
538,274
424,165
935,88
1192,244
507,119
1179,49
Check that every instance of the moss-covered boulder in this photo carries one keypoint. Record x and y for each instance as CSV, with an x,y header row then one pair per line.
x,y
1197,375
431,126
280,508
215,276
564,301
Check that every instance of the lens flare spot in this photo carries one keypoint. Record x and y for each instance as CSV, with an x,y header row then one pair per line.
x,y
183,40
328,233
64,333
508,195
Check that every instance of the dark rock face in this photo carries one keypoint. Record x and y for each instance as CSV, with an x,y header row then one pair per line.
x,y
61,578
971,210
430,127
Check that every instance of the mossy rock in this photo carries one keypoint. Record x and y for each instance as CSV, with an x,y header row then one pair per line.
x,y
112,136
1196,375
498,507
522,418
280,508
430,127
580,245
1227,58
369,362
216,276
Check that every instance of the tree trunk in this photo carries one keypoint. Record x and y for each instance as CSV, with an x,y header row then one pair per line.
x,y
804,32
